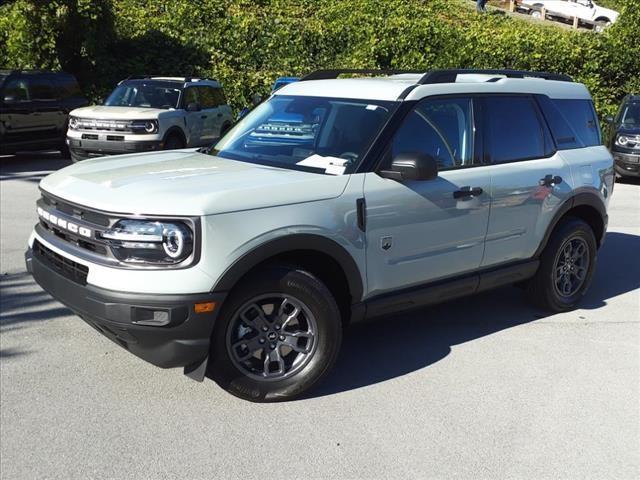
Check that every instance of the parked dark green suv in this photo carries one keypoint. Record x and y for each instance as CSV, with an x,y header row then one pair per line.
x,y
624,137
34,109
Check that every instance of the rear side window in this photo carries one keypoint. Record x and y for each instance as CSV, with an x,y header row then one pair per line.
x,y
581,115
218,94
208,97
563,134
66,86
41,88
513,129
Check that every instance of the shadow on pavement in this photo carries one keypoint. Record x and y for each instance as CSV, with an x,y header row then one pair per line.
x,y
391,347
394,346
21,301
31,166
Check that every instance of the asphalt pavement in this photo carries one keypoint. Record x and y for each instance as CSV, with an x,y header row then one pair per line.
x,y
485,387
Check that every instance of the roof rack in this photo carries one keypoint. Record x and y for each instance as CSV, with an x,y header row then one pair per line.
x,y
332,74
176,78
450,76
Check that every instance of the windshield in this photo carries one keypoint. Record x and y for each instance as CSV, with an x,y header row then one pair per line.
x,y
631,115
146,94
323,135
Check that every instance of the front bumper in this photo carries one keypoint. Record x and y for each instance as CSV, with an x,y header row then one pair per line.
x,y
627,163
182,342
87,148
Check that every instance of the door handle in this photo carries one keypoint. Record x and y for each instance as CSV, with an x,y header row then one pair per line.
x,y
203,116
550,181
468,192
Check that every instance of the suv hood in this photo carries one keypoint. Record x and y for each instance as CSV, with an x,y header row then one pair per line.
x,y
101,112
185,183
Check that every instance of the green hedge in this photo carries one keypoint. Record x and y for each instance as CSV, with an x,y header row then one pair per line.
x,y
246,44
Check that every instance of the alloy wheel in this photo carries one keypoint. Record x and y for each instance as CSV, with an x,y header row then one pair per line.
x,y
571,267
271,337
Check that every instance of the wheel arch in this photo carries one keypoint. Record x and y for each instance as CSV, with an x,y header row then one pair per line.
x,y
586,206
323,257
174,130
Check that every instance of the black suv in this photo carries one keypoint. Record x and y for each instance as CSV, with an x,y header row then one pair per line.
x,y
34,108
624,137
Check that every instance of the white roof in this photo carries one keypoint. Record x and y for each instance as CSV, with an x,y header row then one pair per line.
x,y
390,88
376,88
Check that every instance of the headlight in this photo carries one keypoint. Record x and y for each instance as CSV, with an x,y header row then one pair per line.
x,y
144,126
151,242
622,140
73,123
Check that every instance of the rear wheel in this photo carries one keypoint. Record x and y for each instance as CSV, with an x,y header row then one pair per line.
x,y
566,267
279,332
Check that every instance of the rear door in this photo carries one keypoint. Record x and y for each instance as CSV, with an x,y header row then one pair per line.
x,y
421,231
211,116
529,179
48,116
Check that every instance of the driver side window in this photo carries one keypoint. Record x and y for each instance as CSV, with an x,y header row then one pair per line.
x,y
441,128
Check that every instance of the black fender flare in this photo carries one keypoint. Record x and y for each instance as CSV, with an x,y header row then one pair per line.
x,y
290,243
174,130
580,199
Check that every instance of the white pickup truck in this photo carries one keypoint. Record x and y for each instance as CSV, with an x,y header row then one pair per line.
x,y
587,11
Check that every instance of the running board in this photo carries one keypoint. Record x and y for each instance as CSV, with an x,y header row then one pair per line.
x,y
444,291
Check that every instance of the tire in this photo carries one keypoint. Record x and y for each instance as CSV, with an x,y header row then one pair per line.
x,y
64,150
558,285
233,339
173,142
75,158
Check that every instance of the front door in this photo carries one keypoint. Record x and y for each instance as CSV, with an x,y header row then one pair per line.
x,y
194,119
421,231
17,114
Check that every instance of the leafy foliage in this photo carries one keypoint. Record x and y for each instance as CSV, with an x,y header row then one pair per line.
x,y
247,43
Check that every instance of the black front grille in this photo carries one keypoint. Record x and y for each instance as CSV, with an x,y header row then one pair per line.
x,y
68,268
75,211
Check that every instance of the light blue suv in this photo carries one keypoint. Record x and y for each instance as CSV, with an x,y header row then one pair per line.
x,y
337,199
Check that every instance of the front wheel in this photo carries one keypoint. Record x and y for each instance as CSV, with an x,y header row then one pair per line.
x,y
174,142
566,267
280,332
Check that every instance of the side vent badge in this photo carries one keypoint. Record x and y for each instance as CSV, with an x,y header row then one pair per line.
x,y
386,243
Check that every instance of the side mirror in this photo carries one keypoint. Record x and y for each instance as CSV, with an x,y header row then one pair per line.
x,y
411,166
608,119
256,99
193,107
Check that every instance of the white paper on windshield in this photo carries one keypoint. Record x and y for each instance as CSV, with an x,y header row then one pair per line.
x,y
330,165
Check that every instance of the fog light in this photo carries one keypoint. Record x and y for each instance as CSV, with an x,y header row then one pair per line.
x,y
148,316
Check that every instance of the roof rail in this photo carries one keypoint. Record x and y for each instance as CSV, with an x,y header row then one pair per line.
x,y
187,78
332,74
450,76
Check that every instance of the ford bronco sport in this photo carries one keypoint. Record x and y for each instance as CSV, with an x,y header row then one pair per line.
x,y
151,113
337,199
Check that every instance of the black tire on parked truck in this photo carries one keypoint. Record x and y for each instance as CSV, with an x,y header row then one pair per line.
x,y
279,333
566,267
